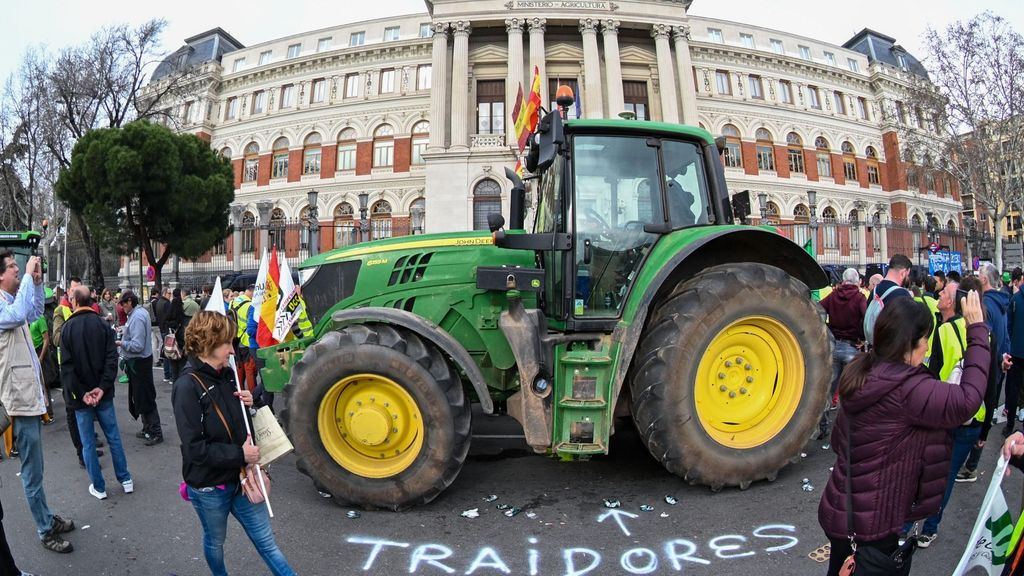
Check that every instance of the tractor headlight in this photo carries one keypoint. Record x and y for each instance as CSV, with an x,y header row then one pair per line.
x,y
305,274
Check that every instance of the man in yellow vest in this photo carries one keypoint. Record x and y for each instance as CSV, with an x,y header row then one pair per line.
x,y
245,354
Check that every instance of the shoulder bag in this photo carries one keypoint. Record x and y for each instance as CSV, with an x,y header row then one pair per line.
x,y
249,476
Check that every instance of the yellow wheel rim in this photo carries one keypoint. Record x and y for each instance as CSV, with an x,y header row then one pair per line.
x,y
370,425
749,382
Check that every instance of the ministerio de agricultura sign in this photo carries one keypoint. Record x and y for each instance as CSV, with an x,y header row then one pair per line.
x,y
560,5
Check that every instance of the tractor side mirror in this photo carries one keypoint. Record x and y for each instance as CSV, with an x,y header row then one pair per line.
x,y
495,221
517,201
551,138
720,144
741,206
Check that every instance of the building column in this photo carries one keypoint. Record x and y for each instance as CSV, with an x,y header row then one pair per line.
x,y
669,112
514,80
685,66
593,105
439,88
236,238
460,85
263,207
538,57
613,67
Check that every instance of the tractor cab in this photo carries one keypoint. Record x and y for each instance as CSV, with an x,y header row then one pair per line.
x,y
22,244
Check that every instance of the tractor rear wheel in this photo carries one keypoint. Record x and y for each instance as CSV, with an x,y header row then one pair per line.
x,y
378,417
731,375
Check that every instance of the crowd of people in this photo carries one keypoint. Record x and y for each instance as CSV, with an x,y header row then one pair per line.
x,y
76,342
919,365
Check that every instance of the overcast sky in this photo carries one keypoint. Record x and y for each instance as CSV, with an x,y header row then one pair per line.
x,y
58,23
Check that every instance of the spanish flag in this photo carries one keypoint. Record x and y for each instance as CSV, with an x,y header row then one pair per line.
x,y
268,309
525,115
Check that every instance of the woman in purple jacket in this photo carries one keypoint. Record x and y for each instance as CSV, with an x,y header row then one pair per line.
x,y
900,419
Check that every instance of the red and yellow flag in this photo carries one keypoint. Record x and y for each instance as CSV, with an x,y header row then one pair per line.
x,y
525,116
268,309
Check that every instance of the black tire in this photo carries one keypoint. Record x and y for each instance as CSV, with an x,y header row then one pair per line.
x,y
423,372
663,377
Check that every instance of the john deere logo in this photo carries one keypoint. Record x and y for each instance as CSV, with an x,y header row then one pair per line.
x,y
535,283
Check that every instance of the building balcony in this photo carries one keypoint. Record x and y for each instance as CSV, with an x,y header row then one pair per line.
x,y
487,142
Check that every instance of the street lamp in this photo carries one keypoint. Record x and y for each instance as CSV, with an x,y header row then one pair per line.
x,y
762,200
314,223
417,212
364,224
812,205
929,227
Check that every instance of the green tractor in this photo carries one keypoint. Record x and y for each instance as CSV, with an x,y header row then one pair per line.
x,y
23,244
634,294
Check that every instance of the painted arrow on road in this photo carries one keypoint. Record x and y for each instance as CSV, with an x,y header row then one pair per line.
x,y
617,515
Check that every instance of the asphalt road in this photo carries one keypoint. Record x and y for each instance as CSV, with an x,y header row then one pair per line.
x,y
564,527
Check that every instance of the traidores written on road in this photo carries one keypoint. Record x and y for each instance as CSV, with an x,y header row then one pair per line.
x,y
669,556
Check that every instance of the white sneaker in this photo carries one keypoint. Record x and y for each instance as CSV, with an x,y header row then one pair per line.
x,y
99,495
129,486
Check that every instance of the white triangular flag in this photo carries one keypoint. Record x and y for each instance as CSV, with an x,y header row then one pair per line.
x,y
286,314
261,282
216,302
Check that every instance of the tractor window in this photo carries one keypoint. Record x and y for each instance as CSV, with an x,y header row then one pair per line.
x,y
550,219
685,184
616,185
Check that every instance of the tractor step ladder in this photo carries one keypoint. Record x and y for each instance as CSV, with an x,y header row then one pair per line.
x,y
582,400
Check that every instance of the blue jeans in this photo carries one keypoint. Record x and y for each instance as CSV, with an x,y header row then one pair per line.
x,y
843,353
104,413
964,438
213,505
28,439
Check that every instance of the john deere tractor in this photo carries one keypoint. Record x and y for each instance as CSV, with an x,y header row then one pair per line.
x,y
633,293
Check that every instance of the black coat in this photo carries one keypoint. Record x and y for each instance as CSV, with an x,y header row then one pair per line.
x,y
209,455
176,321
88,357
161,310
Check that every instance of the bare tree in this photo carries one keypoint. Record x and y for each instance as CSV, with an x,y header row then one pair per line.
x,y
970,113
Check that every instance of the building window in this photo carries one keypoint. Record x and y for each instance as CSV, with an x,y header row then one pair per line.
x,y
912,182
323,44
805,52
351,85
425,30
384,146
248,230
765,150
830,59
251,162
347,149
902,60
901,112
715,35
801,215
853,64
830,231
849,162
420,140
311,152
872,160
795,151
279,164
576,110
232,109
854,233
265,57
747,40
947,184
288,96
387,81
824,157
259,102
635,96
357,39
777,46
723,83
294,50
733,148
225,153
862,108
486,199
813,98
490,106
319,90
756,88
771,212
238,65
344,225
929,182
391,33
423,76
840,103
786,91
380,220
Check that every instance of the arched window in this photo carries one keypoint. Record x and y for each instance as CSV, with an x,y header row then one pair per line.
x,y
929,182
801,215
849,163
913,183
347,149
486,199
277,229
824,154
915,221
873,174
951,226
225,152
311,152
248,230
733,149
344,225
417,215
918,230
279,167
420,139
830,230
380,220
251,163
795,150
765,150
772,212
384,146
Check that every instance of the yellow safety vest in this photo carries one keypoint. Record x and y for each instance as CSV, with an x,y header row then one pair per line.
x,y
952,338
933,308
242,315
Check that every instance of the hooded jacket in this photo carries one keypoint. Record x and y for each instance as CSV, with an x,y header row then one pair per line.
x,y
846,306
997,304
900,446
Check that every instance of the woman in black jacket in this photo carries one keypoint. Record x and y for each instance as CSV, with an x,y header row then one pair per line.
x,y
176,326
205,398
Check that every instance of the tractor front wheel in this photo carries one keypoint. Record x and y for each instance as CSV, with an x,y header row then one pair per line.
x,y
731,375
378,417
